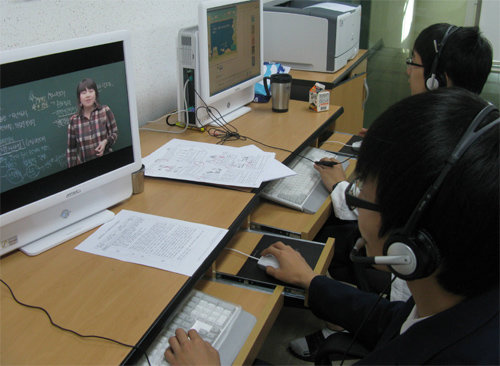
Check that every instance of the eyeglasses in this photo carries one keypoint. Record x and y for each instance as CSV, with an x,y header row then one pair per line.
x,y
409,62
353,201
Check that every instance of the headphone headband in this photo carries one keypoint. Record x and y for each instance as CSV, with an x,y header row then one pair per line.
x,y
432,82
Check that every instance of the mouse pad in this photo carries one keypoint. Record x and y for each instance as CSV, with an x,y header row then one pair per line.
x,y
348,150
310,250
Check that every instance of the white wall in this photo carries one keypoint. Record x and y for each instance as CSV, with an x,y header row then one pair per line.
x,y
153,25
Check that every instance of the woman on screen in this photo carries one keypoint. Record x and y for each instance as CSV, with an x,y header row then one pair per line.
x,y
92,130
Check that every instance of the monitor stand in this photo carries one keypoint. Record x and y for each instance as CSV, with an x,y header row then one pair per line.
x,y
231,116
66,233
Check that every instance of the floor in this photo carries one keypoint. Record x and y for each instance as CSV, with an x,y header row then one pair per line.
x,y
291,323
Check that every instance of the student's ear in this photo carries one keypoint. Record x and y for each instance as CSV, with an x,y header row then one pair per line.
x,y
449,83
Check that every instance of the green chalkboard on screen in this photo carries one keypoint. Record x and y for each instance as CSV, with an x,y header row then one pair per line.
x,y
34,120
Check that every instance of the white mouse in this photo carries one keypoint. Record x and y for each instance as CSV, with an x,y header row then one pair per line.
x,y
356,145
268,260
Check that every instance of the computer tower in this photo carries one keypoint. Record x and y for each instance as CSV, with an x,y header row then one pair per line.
x,y
188,75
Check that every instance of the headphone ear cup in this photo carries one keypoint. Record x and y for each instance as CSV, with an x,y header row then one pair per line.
x,y
423,253
432,83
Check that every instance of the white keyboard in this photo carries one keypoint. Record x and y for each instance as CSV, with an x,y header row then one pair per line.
x,y
303,191
297,188
224,325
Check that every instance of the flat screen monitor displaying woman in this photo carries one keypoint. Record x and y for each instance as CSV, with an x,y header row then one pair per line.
x,y
69,138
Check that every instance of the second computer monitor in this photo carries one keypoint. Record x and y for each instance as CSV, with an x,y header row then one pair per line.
x,y
227,62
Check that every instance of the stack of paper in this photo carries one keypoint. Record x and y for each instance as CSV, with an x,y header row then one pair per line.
x,y
246,166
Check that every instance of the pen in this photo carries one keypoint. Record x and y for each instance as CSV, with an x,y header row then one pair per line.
x,y
201,129
326,163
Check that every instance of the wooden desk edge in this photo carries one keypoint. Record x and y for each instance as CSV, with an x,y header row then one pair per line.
x,y
265,321
322,265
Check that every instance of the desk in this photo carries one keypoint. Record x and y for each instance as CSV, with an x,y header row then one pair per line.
x,y
128,302
347,88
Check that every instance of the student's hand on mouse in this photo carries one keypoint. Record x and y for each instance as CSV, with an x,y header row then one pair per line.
x,y
330,175
190,349
100,148
363,132
293,267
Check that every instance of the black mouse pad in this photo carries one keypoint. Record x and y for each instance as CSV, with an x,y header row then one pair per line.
x,y
348,150
310,250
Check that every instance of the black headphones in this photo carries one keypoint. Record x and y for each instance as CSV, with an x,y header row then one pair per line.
x,y
435,79
411,253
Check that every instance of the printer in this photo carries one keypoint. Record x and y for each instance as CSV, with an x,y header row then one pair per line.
x,y
311,35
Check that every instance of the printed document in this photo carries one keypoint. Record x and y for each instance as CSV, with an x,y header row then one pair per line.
x,y
208,163
274,169
160,242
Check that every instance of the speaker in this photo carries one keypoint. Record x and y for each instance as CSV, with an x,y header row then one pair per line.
x,y
434,79
420,247
417,244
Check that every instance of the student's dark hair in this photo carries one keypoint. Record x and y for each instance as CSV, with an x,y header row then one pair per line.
x,y
466,57
405,150
85,84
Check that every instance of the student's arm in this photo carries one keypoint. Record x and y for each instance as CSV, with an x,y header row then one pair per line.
x,y
351,308
336,183
330,175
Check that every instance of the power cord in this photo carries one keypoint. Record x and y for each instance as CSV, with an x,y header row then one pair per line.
x,y
70,330
245,254
225,131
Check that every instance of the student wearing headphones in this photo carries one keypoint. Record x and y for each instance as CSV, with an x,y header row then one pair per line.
x,y
428,201
443,55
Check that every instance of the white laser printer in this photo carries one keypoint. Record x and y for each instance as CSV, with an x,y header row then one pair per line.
x,y
311,35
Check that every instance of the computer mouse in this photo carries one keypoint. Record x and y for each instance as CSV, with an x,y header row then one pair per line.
x,y
356,145
268,260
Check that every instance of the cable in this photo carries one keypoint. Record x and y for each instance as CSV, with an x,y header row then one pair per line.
x,y
365,319
70,330
245,254
227,132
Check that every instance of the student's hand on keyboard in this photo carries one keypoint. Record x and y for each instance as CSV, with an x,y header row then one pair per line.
x,y
293,267
330,175
190,349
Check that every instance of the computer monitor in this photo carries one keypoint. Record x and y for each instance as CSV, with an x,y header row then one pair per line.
x,y
227,50
55,181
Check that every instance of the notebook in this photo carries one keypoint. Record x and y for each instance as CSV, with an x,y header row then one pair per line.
x,y
305,190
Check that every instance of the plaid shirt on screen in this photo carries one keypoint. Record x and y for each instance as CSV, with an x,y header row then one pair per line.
x,y
85,134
